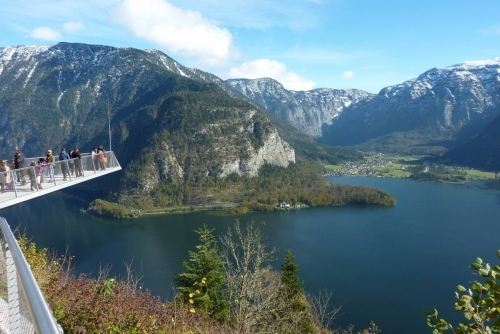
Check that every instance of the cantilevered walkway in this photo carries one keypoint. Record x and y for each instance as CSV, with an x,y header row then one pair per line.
x,y
23,309
22,191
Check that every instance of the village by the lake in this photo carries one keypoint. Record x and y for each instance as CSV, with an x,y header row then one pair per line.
x,y
418,167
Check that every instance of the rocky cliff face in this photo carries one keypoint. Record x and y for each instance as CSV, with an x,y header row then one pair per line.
x,y
274,151
307,111
168,123
166,163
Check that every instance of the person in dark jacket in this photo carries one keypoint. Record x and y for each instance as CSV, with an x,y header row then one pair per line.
x,y
64,159
20,162
78,161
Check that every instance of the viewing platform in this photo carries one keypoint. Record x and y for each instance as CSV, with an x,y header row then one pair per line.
x,y
18,191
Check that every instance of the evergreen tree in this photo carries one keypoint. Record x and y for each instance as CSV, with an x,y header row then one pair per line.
x,y
297,307
292,286
202,283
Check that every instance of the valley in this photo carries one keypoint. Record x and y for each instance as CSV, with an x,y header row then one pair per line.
x,y
191,142
412,167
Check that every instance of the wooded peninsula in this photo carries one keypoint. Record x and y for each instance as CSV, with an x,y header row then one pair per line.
x,y
299,185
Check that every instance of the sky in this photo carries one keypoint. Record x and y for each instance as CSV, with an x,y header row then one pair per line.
x,y
303,44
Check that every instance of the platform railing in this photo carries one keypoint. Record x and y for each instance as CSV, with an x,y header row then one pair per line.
x,y
22,181
23,308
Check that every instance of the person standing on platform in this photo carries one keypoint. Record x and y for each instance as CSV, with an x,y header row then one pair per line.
x,y
102,158
95,158
64,159
39,169
78,161
50,162
20,162
4,175
32,176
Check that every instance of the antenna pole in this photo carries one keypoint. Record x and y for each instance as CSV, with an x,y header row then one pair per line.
x,y
109,127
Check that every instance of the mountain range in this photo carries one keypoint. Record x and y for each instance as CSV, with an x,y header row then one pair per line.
x,y
172,123
168,123
429,114
308,111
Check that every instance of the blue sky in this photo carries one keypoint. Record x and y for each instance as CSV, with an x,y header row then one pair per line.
x,y
304,44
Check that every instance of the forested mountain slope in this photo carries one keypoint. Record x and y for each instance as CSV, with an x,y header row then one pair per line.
x,y
482,151
168,123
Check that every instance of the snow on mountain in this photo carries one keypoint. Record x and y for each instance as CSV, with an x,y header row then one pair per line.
x,y
308,111
441,104
450,103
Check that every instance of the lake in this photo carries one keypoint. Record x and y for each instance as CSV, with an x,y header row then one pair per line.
x,y
382,264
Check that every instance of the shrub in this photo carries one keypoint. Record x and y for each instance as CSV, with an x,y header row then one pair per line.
x,y
480,304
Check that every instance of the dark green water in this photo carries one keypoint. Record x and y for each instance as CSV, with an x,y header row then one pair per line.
x,y
382,264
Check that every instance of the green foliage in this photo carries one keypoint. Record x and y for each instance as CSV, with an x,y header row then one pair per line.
x,y
437,173
201,284
110,209
299,183
45,271
479,304
292,286
109,305
108,287
292,293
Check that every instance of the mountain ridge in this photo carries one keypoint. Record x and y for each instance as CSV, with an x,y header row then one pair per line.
x,y
54,96
439,109
442,105
308,111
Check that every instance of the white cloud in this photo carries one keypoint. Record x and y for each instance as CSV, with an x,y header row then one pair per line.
x,y
185,33
347,74
46,33
265,68
259,14
73,26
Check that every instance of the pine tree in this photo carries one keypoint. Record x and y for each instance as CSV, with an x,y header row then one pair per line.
x,y
202,283
292,294
292,286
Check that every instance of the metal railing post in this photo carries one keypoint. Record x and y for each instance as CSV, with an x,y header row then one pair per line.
x,y
13,181
13,294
